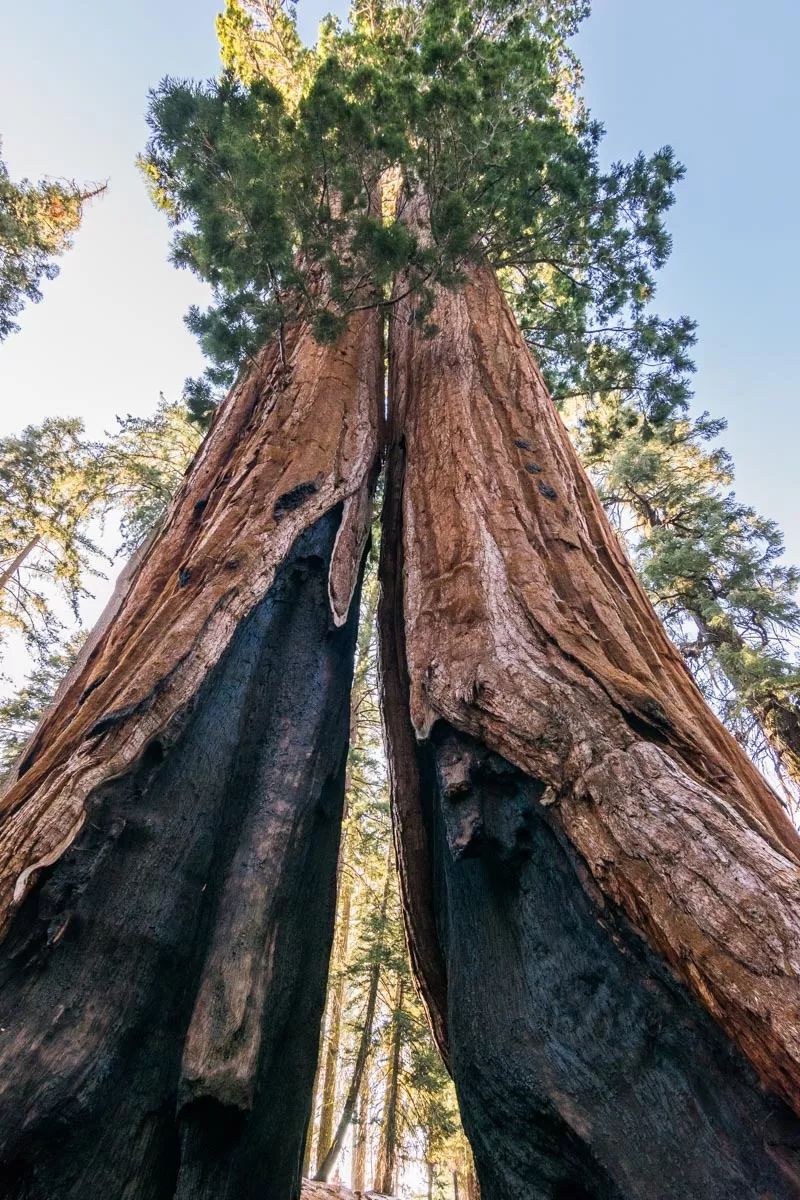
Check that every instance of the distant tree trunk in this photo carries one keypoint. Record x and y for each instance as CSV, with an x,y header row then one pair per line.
x,y
335,1010
337,988
387,1151
473,1191
331,1156
8,573
361,1140
455,1186
168,849
780,721
430,1169
308,1149
581,826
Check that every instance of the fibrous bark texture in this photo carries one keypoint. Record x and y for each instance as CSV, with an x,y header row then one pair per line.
x,y
169,848
585,1070
286,447
511,615
161,989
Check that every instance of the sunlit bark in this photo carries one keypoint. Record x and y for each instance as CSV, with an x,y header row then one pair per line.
x,y
537,714
168,850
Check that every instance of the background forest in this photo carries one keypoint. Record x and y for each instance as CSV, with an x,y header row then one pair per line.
x,y
73,507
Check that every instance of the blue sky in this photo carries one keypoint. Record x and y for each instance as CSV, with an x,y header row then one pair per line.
x,y
714,78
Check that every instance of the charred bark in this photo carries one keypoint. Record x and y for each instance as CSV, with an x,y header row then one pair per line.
x,y
510,616
584,1069
289,444
163,985
168,847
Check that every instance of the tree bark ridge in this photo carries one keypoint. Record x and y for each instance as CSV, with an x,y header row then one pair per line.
x,y
287,446
512,614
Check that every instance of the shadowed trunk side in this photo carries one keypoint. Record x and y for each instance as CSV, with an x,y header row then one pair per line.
x,y
163,985
584,1069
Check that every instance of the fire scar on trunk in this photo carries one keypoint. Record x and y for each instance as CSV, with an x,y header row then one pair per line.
x,y
286,447
512,614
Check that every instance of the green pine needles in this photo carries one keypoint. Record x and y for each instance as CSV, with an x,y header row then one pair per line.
x,y
37,221
270,176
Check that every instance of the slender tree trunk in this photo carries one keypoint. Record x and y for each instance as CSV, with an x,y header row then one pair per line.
x,y
430,1169
387,1152
615,894
455,1185
335,1011
168,850
780,721
329,1068
361,1143
473,1191
17,561
308,1150
330,1158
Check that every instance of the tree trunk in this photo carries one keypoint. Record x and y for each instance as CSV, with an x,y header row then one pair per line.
x,y
387,1152
168,850
473,1191
780,721
361,1141
337,989
17,561
335,1010
430,1169
308,1149
579,823
329,1159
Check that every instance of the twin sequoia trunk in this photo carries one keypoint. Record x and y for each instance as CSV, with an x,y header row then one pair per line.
x,y
168,850
602,893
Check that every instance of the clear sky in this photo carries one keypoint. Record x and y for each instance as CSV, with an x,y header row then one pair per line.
x,y
715,78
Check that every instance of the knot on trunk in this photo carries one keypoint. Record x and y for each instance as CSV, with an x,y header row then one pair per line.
x,y
488,805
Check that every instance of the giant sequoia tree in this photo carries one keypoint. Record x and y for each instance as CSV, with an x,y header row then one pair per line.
x,y
601,891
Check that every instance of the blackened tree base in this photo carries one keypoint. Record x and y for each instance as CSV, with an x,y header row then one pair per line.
x,y
584,1070
161,989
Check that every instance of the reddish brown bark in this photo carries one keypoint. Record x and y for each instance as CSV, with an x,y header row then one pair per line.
x,y
286,447
511,614
168,849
